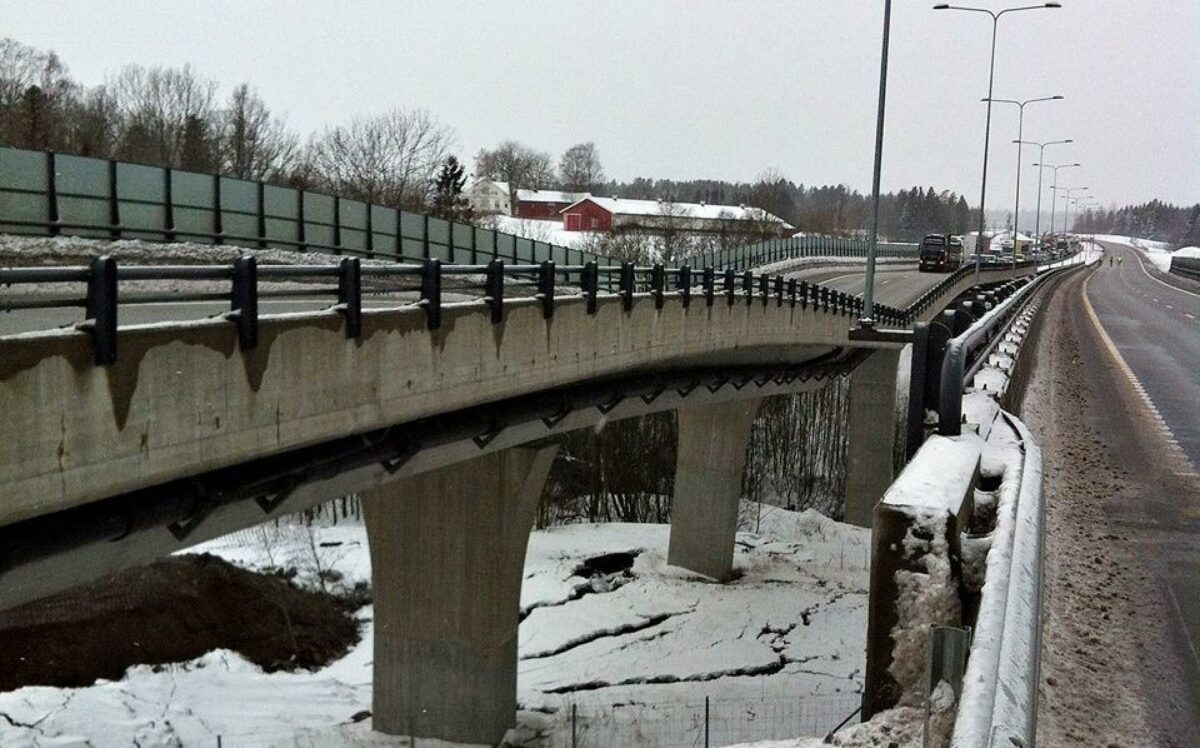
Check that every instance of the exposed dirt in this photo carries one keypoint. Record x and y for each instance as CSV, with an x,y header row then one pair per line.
x,y
172,610
1115,670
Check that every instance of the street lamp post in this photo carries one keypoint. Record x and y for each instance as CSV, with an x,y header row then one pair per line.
x,y
1020,134
868,319
987,131
1037,231
1054,187
1067,209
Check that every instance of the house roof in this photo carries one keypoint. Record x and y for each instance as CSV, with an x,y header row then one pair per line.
x,y
547,196
502,186
629,207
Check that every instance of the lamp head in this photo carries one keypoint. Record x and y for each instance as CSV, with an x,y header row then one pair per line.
x,y
942,6
1054,5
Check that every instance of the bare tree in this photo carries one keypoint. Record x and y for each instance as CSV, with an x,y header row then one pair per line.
x,y
521,166
579,168
390,158
254,144
168,116
36,96
672,229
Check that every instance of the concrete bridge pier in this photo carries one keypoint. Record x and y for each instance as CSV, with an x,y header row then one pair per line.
x,y
872,434
708,483
447,556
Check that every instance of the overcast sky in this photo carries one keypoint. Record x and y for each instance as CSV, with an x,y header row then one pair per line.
x,y
702,89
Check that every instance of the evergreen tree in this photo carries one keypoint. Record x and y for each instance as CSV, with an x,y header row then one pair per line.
x,y
448,201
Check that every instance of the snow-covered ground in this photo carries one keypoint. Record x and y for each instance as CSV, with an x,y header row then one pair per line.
x,y
1159,253
778,651
541,231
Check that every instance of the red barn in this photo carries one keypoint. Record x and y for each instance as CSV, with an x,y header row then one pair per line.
x,y
586,215
543,204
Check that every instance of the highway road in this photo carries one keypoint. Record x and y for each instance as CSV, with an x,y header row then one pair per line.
x,y
895,285
1121,628
1156,329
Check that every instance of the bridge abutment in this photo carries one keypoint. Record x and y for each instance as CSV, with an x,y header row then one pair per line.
x,y
708,484
870,451
447,555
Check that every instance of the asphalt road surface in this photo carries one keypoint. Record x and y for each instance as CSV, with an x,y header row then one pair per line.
x,y
895,285
1121,627
1156,328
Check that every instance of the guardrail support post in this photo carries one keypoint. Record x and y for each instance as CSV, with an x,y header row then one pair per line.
x,y
710,282
710,457
431,293
350,295
102,309
546,288
918,372
445,663
627,286
245,301
494,290
658,280
590,283
685,285
870,449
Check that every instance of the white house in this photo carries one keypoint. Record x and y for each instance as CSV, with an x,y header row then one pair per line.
x,y
487,197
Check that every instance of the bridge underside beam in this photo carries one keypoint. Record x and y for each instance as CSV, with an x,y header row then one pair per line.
x,y
708,485
447,554
870,451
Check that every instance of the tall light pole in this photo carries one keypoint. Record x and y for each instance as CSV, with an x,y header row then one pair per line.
x,y
1020,134
1037,231
1054,187
868,319
987,131
1067,209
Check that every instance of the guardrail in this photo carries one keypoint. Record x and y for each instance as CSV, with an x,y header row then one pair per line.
x,y
490,281
44,193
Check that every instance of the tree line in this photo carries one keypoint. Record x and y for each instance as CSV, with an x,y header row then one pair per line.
x,y
1175,224
175,116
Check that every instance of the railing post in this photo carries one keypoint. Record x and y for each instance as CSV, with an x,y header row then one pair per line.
x,y
590,284
657,281
546,288
168,206
730,286
685,285
52,194
244,300
779,290
710,282
495,290
627,286
803,295
114,206
431,292
102,309
748,286
450,242
350,295
918,373
764,288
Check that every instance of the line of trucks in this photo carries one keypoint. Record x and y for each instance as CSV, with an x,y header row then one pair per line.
x,y
947,252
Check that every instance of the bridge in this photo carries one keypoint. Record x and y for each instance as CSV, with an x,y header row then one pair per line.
x,y
139,440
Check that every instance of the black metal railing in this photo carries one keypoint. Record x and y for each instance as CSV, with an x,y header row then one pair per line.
x,y
350,280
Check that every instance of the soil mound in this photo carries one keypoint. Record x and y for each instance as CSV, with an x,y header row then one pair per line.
x,y
172,610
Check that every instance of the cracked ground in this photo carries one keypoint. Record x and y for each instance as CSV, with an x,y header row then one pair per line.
x,y
607,627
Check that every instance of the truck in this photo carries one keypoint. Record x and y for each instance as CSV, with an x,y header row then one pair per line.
x,y
940,252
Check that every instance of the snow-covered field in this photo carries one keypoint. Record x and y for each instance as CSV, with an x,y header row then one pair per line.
x,y
778,651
